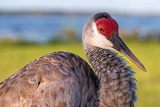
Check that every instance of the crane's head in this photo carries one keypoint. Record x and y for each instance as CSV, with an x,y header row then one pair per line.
x,y
102,31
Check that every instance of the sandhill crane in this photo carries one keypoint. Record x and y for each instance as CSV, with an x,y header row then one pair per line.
x,y
63,79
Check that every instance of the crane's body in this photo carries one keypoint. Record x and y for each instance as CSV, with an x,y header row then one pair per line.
x,y
59,79
63,79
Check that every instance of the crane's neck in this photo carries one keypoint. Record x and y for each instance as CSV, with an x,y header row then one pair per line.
x,y
117,82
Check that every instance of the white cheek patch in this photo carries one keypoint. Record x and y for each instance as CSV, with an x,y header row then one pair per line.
x,y
100,40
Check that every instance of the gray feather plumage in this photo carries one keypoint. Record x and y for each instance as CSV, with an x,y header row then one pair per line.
x,y
63,79
117,82
58,79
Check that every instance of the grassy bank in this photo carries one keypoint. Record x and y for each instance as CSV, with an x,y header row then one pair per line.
x,y
15,57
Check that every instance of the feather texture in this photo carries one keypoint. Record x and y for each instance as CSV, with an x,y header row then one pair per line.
x,y
117,82
58,79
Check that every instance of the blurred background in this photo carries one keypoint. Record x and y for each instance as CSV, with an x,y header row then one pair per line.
x,y
32,28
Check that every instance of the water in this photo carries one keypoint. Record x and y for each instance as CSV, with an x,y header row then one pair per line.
x,y
44,27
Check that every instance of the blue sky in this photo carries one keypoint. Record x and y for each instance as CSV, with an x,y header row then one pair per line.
x,y
123,6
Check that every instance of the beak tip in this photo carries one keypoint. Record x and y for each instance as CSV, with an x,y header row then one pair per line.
x,y
120,46
142,67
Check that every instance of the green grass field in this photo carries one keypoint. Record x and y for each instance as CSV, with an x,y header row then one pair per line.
x,y
15,57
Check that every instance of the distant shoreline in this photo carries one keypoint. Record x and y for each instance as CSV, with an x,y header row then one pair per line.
x,y
36,12
44,13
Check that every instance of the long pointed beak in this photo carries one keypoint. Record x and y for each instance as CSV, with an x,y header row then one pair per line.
x,y
119,45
